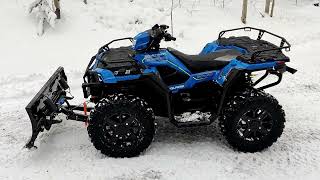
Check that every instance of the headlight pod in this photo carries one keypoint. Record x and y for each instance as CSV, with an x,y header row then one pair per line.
x,y
134,43
100,78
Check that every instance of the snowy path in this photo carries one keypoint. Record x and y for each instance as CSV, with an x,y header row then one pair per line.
x,y
65,152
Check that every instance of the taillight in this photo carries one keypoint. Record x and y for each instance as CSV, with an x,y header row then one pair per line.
x,y
94,99
279,63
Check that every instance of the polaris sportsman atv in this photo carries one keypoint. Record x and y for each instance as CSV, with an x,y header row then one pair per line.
x,y
131,85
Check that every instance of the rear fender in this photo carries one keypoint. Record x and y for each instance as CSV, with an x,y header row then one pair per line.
x,y
238,65
229,75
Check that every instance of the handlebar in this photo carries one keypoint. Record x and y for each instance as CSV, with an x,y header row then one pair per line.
x,y
169,37
160,32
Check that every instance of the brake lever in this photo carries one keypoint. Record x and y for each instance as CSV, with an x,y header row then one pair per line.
x,y
163,26
168,37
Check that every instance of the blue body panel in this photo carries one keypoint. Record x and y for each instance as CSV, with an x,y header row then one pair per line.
x,y
153,59
141,41
211,47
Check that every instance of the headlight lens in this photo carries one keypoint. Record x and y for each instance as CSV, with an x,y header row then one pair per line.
x,y
100,77
134,43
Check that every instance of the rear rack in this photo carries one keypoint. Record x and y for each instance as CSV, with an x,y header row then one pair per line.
x,y
284,44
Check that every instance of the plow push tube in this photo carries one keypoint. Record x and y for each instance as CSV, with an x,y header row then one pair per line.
x,y
49,102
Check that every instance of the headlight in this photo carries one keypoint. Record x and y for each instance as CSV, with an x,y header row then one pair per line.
x,y
134,43
100,77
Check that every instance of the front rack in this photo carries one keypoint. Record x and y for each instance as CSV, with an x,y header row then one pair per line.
x,y
106,46
102,49
284,44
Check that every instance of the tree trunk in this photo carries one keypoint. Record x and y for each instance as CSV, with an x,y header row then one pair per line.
x,y
244,11
272,7
171,17
57,6
267,7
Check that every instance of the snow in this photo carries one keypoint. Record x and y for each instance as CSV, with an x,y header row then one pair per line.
x,y
65,152
193,117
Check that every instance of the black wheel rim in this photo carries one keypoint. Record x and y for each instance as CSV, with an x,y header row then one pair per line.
x,y
254,124
122,130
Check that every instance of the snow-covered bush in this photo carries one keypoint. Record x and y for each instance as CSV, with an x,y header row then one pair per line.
x,y
44,11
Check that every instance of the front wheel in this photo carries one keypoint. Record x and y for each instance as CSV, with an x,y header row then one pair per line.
x,y
252,120
121,125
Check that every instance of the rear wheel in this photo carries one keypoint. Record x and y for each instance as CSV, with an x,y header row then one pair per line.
x,y
121,125
252,120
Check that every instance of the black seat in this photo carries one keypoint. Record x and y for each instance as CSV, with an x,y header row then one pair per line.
x,y
212,61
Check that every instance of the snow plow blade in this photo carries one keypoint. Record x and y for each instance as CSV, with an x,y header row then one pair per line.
x,y
45,104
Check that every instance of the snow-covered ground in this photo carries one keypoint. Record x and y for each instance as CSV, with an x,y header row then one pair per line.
x,y
65,152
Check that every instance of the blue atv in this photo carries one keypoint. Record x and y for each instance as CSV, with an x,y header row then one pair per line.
x,y
129,86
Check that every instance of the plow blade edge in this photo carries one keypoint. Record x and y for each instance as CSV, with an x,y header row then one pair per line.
x,y
45,105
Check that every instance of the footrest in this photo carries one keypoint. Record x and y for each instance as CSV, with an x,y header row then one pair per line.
x,y
192,119
191,123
